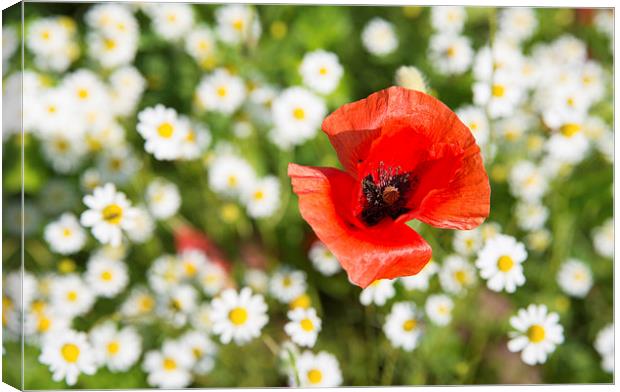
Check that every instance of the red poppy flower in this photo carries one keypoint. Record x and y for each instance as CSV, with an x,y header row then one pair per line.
x,y
406,156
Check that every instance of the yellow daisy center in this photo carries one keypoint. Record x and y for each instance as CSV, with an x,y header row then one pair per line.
x,y
299,114
505,263
70,352
82,93
303,301
238,316
451,51
410,325
106,276
221,91
259,195
570,129
113,347
46,35
112,213
72,296
315,376
66,232
287,281
323,71
44,324
165,130
169,364
146,303
536,333
232,181
307,325
238,24
498,90
190,269
460,276
109,43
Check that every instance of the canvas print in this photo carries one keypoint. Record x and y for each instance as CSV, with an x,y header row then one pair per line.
x,y
238,195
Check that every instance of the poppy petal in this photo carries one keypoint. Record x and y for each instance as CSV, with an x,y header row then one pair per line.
x,y
385,251
465,202
353,126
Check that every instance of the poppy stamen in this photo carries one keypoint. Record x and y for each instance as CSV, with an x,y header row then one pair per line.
x,y
385,194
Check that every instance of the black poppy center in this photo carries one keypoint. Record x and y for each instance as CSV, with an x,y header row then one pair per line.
x,y
385,195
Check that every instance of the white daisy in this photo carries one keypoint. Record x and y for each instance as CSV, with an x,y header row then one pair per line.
x,y
456,274
403,326
604,345
162,131
527,181
118,165
575,278
297,114
303,327
500,262
200,319
420,281
477,122
108,215
501,96
202,348
378,292
170,367
537,333
118,349
68,353
467,242
140,302
519,23
531,216
192,262
71,296
200,43
165,273
448,18
321,71
126,88
143,226
196,141
237,23
318,370
379,37
106,277
257,280
178,304
238,316
230,175
221,91
65,235
263,197
286,285
163,198
439,309
44,322
213,278
603,238
323,259
451,54
538,240
171,21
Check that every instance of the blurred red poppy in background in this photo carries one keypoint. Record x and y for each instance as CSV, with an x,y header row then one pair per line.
x,y
406,156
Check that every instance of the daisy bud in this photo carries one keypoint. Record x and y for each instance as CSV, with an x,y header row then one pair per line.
x,y
410,77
